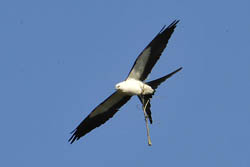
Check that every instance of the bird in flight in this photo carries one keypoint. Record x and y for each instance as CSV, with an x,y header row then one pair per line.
x,y
133,85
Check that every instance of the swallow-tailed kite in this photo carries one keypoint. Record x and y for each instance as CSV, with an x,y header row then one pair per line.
x,y
133,85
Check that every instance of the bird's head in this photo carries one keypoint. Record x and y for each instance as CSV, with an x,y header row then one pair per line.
x,y
119,86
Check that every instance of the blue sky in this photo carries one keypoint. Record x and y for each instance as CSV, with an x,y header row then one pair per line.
x,y
59,59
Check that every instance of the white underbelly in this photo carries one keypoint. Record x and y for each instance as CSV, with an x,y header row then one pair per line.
x,y
135,87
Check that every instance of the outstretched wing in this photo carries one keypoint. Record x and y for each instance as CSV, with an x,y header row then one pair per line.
x,y
100,115
149,56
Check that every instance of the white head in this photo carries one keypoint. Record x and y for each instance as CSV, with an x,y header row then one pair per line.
x,y
119,86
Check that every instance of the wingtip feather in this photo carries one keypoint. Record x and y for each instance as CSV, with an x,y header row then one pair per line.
x,y
73,137
162,29
174,23
179,69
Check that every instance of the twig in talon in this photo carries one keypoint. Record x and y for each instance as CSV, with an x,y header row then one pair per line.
x,y
146,120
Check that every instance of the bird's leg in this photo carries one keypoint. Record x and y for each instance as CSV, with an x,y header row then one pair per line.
x,y
146,120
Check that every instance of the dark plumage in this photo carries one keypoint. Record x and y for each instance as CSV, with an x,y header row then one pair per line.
x,y
157,45
98,116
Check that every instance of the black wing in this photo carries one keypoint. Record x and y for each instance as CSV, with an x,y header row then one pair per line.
x,y
100,115
149,56
155,83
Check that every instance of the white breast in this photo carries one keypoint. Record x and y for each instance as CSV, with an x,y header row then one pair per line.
x,y
134,87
